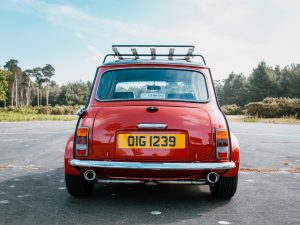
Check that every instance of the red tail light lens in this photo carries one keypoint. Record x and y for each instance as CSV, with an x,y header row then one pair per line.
x,y
222,143
81,142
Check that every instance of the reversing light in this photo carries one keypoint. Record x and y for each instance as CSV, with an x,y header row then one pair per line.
x,y
222,143
81,142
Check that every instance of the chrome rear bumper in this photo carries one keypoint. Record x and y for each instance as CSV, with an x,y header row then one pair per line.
x,y
153,166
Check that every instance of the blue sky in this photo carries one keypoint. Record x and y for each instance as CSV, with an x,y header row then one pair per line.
x,y
74,36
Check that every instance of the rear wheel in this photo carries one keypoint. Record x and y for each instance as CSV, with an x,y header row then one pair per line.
x,y
78,186
225,187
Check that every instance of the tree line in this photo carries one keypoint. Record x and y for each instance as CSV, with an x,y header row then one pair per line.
x,y
35,87
264,81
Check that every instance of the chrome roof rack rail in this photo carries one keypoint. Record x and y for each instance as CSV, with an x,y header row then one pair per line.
x,y
171,52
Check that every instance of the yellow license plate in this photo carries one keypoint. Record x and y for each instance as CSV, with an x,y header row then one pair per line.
x,y
151,141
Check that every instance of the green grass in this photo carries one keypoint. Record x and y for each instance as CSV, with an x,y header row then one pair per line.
x,y
11,116
251,119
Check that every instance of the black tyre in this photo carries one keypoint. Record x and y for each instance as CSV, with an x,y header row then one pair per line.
x,y
225,187
78,186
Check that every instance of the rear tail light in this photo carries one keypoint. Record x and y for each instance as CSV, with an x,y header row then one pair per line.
x,y
81,142
222,143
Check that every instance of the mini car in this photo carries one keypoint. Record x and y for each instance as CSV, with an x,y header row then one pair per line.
x,y
152,117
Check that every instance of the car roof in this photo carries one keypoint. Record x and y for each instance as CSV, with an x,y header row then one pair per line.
x,y
155,61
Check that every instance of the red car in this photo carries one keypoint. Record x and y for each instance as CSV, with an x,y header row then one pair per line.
x,y
152,118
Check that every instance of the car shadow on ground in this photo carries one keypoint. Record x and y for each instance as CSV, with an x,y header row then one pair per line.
x,y
39,197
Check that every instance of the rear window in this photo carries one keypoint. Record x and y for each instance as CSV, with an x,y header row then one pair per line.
x,y
152,84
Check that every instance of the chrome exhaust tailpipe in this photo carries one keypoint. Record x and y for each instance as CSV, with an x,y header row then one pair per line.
x,y
212,178
90,175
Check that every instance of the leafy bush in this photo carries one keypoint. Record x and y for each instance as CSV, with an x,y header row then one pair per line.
x,y
231,109
21,110
274,108
64,110
58,110
71,110
44,110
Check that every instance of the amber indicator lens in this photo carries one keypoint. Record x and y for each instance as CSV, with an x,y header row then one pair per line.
x,y
221,134
82,131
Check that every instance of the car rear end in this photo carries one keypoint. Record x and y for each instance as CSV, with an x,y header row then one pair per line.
x,y
152,121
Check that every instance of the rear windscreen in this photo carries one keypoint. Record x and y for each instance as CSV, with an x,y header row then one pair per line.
x,y
152,84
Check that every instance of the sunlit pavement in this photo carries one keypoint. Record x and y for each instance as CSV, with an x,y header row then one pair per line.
x,y
32,189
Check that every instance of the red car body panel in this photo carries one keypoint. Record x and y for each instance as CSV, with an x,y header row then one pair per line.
x,y
197,120
111,121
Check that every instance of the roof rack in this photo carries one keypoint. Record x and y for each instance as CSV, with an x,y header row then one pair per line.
x,y
134,53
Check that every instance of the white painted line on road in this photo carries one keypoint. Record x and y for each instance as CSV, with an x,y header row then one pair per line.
x,y
11,186
61,188
4,202
223,222
155,212
249,180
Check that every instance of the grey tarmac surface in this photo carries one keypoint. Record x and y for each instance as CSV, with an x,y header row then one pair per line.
x,y
32,189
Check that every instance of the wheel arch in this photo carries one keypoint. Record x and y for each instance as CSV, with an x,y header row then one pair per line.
x,y
235,156
68,156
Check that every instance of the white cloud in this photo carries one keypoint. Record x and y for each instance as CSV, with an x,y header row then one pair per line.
x,y
233,35
80,35
95,54
76,19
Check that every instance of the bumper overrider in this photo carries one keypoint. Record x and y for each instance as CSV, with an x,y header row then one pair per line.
x,y
153,166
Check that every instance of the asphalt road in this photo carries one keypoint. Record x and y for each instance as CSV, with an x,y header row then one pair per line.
x,y
32,187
